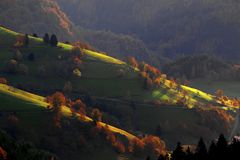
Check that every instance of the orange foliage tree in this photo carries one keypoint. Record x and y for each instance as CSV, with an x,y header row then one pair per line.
x,y
136,146
84,45
133,62
79,107
3,80
111,137
56,101
96,115
219,93
19,41
154,145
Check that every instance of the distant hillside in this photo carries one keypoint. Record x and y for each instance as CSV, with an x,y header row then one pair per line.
x,y
202,67
45,16
35,16
169,27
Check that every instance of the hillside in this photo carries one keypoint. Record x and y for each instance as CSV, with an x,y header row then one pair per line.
x,y
116,88
169,27
30,106
22,15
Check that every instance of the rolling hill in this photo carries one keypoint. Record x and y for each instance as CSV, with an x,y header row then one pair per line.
x,y
169,27
99,78
33,113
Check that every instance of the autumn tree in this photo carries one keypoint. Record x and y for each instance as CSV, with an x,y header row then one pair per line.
x,y
84,45
219,93
148,83
96,115
20,40
133,62
3,80
79,107
136,146
56,101
154,145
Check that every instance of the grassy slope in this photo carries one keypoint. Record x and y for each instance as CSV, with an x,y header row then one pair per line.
x,y
32,112
99,78
230,88
38,102
99,73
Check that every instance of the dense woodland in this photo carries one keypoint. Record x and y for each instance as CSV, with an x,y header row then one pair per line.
x,y
202,67
169,27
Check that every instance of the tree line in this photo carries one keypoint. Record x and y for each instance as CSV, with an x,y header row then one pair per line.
x,y
219,149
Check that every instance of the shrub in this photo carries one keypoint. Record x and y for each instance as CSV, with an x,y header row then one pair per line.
x,y
133,62
11,66
22,69
3,80
96,115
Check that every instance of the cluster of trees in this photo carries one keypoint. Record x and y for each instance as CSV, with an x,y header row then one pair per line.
x,y
148,73
12,149
152,76
220,149
53,41
149,144
225,100
202,66
166,26
14,67
23,40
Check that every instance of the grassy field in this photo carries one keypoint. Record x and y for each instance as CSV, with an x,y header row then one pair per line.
x,y
100,79
99,73
230,88
33,113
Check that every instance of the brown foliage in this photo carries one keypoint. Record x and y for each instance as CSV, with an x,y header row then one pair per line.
x,y
3,80
84,45
136,146
20,39
56,101
96,115
79,107
149,144
219,93
148,83
133,62
154,145
3,154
